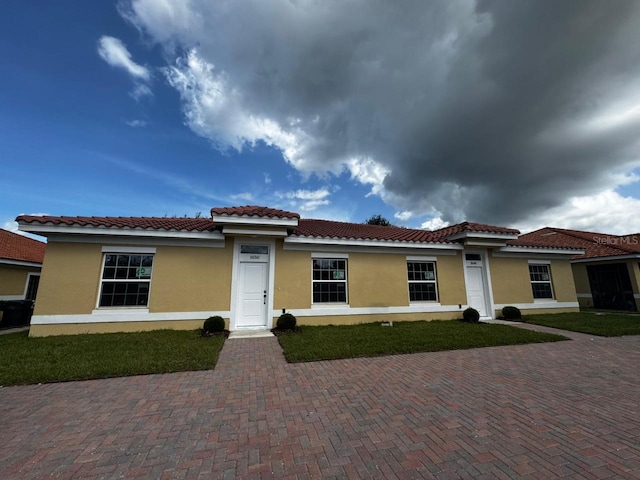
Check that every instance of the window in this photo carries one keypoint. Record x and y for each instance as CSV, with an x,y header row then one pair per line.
x,y
329,280
540,281
32,287
125,280
422,281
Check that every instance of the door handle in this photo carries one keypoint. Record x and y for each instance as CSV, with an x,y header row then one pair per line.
x,y
264,298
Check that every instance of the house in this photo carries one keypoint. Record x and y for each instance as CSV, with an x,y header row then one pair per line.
x,y
606,274
20,264
249,264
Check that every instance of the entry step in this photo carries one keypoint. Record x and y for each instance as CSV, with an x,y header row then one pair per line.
x,y
250,334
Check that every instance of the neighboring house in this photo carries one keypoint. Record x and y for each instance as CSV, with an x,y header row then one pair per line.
x,y
607,274
249,264
20,264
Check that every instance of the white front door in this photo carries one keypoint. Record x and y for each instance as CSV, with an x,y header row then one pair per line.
x,y
252,295
475,289
476,278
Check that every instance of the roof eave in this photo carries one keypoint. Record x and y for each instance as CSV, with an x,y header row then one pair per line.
x,y
50,229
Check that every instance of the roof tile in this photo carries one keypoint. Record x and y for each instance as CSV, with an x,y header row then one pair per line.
x,y
594,244
20,248
145,223
253,211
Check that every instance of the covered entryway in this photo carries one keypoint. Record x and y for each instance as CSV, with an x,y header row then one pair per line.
x,y
476,283
611,287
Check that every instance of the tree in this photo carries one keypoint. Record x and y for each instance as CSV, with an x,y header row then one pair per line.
x,y
378,220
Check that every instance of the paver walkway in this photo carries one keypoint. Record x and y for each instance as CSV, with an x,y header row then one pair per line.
x,y
558,410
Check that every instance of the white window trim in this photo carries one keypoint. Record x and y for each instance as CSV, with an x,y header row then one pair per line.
x,y
329,256
124,309
433,260
547,264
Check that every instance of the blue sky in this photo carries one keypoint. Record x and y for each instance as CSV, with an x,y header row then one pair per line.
x,y
150,108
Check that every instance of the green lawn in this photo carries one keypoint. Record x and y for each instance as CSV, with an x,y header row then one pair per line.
x,y
25,360
605,325
371,339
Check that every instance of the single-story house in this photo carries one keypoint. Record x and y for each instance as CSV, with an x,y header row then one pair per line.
x,y
249,264
607,274
20,265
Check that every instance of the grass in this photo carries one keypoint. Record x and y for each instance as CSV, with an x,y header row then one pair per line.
x,y
604,325
25,360
371,339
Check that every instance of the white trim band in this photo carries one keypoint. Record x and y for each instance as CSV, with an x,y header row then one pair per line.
x,y
130,316
327,311
543,304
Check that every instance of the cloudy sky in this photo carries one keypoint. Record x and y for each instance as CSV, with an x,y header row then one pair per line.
x,y
514,113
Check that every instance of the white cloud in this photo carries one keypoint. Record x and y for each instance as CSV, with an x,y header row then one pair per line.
x,y
245,196
434,224
267,178
605,212
403,216
307,200
115,53
438,106
136,123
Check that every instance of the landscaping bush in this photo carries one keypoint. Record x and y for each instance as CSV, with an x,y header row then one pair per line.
x,y
213,325
286,321
471,315
511,313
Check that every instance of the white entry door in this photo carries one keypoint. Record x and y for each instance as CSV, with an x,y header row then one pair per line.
x,y
476,295
252,295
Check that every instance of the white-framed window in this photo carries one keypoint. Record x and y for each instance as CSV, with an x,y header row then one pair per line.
x,y
329,280
540,275
126,280
423,285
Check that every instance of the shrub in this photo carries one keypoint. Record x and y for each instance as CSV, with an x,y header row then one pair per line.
x,y
213,325
286,321
471,315
511,313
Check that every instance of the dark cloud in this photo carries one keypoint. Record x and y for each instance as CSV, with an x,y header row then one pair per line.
x,y
490,111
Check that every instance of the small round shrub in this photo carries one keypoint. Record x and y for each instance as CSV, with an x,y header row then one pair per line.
x,y
511,313
471,315
286,321
213,325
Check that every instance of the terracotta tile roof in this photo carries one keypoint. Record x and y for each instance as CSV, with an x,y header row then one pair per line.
x,y
253,211
594,244
144,223
473,227
20,248
358,231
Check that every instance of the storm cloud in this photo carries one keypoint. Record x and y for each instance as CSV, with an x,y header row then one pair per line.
x,y
491,111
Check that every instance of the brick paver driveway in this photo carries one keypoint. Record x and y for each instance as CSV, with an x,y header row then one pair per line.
x,y
557,410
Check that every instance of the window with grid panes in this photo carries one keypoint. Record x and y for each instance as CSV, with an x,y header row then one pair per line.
x,y
540,281
329,280
422,281
126,279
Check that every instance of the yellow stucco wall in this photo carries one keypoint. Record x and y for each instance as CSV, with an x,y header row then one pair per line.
x,y
70,279
191,279
13,279
510,279
184,279
292,287
374,279
564,288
